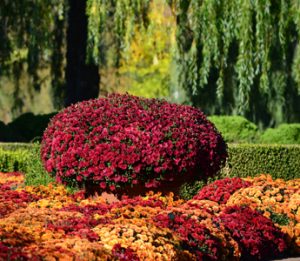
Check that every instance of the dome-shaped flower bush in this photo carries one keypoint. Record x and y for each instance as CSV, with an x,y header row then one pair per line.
x,y
123,140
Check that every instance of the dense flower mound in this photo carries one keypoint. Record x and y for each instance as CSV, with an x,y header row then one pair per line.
x,y
221,190
195,237
148,241
125,140
258,237
51,224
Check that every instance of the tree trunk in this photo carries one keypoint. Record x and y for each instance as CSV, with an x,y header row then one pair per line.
x,y
82,79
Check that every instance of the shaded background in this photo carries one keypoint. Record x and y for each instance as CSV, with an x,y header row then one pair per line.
x,y
230,57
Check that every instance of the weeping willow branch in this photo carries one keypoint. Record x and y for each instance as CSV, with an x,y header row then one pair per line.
x,y
261,33
116,18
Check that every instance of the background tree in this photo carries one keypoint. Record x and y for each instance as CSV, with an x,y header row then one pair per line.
x,y
144,67
240,57
82,78
72,39
232,57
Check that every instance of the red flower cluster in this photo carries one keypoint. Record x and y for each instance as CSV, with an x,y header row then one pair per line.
x,y
76,227
194,237
9,253
257,236
11,200
221,190
124,254
123,140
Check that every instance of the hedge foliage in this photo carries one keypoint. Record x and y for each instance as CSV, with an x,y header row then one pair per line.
x,y
13,160
235,128
24,157
280,161
283,134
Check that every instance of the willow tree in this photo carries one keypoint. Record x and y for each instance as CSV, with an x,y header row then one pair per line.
x,y
72,37
241,56
31,37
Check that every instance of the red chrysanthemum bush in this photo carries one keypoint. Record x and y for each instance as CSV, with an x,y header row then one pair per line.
x,y
125,140
221,190
194,237
257,235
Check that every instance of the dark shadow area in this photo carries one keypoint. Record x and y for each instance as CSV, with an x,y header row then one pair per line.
x,y
26,128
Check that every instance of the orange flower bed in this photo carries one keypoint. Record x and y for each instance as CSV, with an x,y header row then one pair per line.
x,y
49,223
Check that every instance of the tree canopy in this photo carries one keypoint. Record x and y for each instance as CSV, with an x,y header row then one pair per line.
x,y
232,57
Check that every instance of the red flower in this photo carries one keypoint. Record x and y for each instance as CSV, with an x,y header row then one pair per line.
x,y
103,185
257,236
220,190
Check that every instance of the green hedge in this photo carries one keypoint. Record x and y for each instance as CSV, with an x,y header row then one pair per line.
x,y
25,158
281,161
14,160
283,134
15,156
235,129
13,146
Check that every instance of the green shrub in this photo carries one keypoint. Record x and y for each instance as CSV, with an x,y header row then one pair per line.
x,y
16,160
283,134
35,173
25,157
235,129
280,161
13,146
189,190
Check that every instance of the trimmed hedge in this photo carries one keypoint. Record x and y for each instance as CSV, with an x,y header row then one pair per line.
x,y
15,156
24,157
280,161
13,146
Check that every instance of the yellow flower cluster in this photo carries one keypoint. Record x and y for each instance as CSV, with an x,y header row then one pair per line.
x,y
52,196
69,249
11,180
147,240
